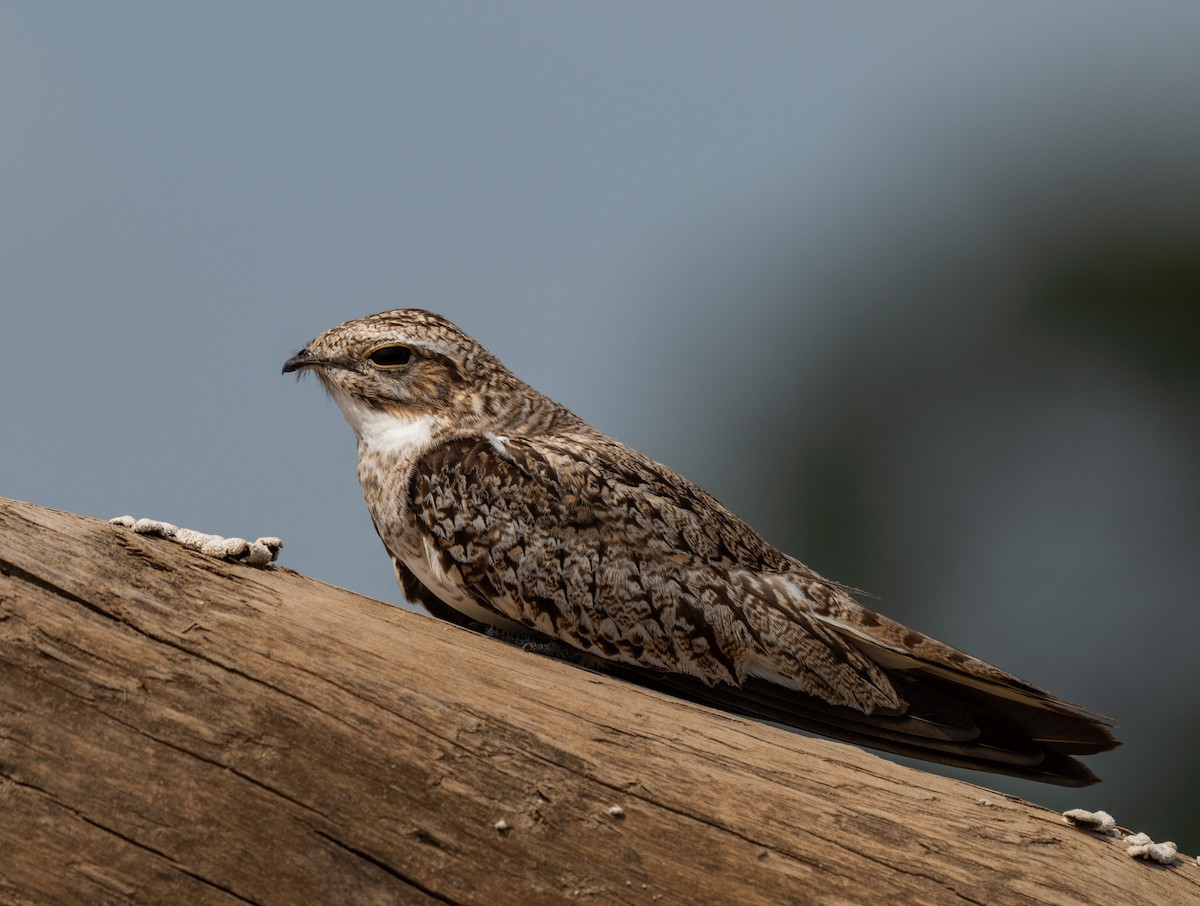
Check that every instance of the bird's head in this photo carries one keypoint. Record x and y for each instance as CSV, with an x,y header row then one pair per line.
x,y
407,364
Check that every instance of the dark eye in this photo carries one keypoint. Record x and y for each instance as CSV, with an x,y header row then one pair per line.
x,y
391,356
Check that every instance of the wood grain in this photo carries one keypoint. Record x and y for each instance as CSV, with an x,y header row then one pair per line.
x,y
175,729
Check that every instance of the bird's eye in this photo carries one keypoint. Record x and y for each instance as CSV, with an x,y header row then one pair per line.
x,y
391,356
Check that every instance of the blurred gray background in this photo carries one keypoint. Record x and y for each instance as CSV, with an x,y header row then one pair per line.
x,y
913,288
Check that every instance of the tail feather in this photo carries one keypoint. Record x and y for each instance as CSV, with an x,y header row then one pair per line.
x,y
946,723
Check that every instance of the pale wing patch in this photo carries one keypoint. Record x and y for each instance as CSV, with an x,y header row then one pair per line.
x,y
499,443
758,665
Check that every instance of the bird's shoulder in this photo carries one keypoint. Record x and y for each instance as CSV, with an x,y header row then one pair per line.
x,y
581,483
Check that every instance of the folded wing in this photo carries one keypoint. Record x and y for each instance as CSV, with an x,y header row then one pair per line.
x,y
653,580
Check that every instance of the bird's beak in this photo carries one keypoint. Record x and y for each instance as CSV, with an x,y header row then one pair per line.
x,y
302,359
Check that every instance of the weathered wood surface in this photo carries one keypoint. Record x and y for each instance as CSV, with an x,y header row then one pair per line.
x,y
174,729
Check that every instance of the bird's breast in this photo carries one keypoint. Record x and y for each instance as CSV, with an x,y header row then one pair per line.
x,y
386,459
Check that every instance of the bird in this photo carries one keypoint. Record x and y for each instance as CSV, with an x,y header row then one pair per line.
x,y
505,512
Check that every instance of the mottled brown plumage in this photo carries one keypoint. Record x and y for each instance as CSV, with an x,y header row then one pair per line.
x,y
502,508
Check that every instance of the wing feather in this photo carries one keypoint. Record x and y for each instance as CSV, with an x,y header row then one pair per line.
x,y
605,561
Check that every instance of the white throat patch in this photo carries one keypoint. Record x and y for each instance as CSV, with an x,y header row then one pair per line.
x,y
387,432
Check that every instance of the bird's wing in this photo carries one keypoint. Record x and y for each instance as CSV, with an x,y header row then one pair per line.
x,y
620,558
594,554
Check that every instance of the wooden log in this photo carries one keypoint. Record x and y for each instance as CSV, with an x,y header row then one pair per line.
x,y
176,729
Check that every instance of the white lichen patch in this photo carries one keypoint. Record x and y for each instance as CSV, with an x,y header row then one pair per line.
x,y
1101,822
1140,846
258,552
